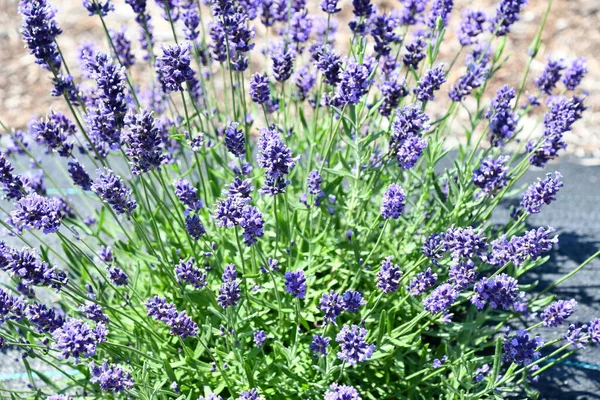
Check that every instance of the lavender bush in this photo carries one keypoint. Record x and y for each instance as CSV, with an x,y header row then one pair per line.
x,y
266,216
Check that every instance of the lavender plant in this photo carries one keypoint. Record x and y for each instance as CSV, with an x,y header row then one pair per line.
x,y
284,228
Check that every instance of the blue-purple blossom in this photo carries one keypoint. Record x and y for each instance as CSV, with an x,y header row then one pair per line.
x,y
330,65
541,192
464,243
499,292
57,396
431,82
576,336
382,30
411,12
295,283
332,305
229,292
276,159
354,83
471,26
521,349
558,312
475,76
143,142
64,85
422,282
228,212
415,51
353,345
330,6
76,338
251,220
503,121
191,21
519,248
438,362
260,338
117,276
122,46
194,226
54,132
300,26
112,190
463,274
441,298
439,9
98,7
79,175
235,141
353,300
342,392
187,194
251,394
173,67
37,212
507,13
492,175
259,88
550,76
305,79
94,312
45,319
40,30
11,307
283,57
594,330
388,277
575,73
319,345
392,91
240,187
392,204
187,272
180,324
110,377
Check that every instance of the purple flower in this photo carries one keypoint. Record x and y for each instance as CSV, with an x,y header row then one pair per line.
x,y
194,226
480,373
295,283
503,122
464,243
594,330
558,312
332,305
330,6
111,82
463,274
35,211
45,319
235,140
415,50
342,392
439,9
111,189
382,30
122,47
434,248
575,336
276,159
77,339
240,187
300,26
388,277
353,345
319,345
422,282
437,363
117,276
516,250
187,194
392,91
10,304
441,298
228,212
98,7
410,121
64,85
251,220
475,76
173,67
353,300
354,83
575,73
180,324
492,175
252,394
330,65
229,292
259,88
305,79
392,204
541,192
79,175
186,271
520,349
143,140
411,13
283,56
260,338
430,83
499,292
191,21
93,312
58,396
550,76
54,132
471,26
110,377
563,113
39,31
507,13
